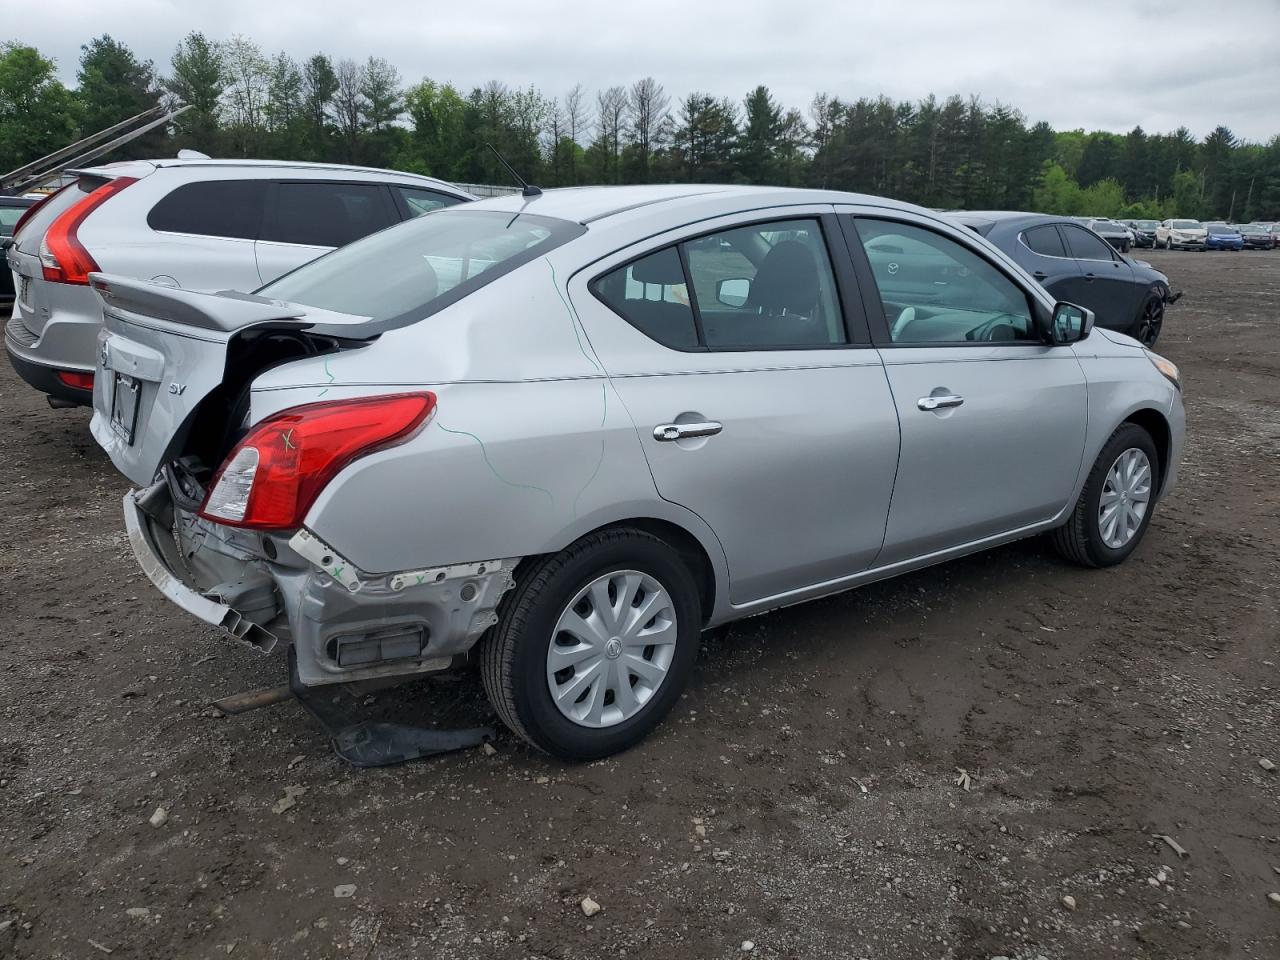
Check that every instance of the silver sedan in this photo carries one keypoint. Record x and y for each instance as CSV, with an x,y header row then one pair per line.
x,y
562,435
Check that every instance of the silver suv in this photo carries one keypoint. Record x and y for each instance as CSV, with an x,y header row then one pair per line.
x,y
194,224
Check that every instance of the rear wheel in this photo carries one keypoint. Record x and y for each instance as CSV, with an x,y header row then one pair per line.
x,y
1149,321
1114,509
594,644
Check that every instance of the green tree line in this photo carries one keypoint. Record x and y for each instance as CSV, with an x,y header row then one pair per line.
x,y
947,153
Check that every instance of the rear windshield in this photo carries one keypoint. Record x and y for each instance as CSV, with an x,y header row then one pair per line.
x,y
9,216
410,271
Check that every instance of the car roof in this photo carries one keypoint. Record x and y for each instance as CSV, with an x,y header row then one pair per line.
x,y
143,167
590,204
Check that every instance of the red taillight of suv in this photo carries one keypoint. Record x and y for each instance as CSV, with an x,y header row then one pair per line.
x,y
63,257
273,476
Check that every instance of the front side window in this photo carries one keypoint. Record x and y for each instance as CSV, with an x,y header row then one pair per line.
x,y
420,201
937,291
410,271
1045,240
1085,244
327,214
212,208
767,285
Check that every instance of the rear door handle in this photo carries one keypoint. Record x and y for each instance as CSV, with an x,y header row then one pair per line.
x,y
938,403
668,432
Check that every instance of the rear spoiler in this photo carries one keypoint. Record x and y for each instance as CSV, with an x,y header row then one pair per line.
x,y
226,311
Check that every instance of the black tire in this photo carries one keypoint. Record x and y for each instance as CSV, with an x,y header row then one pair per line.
x,y
1080,538
513,655
1149,322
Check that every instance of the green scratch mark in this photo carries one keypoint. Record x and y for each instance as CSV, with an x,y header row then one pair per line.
x,y
604,385
494,470
604,413
328,373
573,318
288,440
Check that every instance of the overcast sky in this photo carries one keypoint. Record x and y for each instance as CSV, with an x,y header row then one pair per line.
x,y
1097,64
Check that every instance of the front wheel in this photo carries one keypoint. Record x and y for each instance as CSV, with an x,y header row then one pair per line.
x,y
1114,509
594,644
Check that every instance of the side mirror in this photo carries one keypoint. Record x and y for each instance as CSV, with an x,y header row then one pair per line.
x,y
733,292
1070,323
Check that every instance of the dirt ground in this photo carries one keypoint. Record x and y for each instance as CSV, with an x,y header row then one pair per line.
x,y
802,796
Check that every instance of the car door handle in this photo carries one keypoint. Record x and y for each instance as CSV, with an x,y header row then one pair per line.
x,y
938,403
667,432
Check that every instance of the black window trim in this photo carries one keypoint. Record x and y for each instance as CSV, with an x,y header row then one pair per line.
x,y
852,306
271,207
879,323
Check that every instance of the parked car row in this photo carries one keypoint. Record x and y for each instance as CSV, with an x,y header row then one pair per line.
x,y
189,224
1214,235
561,434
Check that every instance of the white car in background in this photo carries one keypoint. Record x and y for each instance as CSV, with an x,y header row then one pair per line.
x,y
1181,234
197,224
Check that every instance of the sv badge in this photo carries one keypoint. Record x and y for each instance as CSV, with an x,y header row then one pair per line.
x,y
176,389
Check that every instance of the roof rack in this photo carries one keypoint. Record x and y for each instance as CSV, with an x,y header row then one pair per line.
x,y
50,167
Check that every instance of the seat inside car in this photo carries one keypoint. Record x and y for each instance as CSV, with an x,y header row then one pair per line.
x,y
785,286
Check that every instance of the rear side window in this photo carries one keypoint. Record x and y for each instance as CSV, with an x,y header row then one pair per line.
x,y
651,295
327,214
768,285
1085,244
419,201
1045,241
212,208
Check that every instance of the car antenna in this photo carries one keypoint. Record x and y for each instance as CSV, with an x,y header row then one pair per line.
x,y
526,189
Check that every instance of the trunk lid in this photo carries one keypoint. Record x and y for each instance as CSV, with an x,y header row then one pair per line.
x,y
164,352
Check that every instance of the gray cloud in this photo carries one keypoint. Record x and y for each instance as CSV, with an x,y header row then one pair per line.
x,y
1091,64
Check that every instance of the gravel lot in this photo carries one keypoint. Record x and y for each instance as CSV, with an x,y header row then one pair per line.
x,y
802,796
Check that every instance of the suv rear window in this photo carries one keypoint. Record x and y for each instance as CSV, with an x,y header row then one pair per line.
x,y
401,275
212,208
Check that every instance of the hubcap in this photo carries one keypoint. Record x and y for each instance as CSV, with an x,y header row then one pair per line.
x,y
1126,495
611,648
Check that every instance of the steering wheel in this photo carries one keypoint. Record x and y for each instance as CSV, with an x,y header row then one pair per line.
x,y
901,322
999,322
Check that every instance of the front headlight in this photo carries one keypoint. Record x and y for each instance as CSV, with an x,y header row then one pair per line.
x,y
1167,368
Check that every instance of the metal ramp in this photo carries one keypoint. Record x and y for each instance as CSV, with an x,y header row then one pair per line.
x,y
39,172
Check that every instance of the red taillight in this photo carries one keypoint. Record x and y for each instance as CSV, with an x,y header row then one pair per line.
x,y
74,378
62,255
273,476
31,211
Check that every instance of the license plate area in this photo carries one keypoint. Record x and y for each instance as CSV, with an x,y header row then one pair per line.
x,y
24,290
125,391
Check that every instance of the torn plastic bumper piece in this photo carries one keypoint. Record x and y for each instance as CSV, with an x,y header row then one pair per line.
x,y
372,743
151,555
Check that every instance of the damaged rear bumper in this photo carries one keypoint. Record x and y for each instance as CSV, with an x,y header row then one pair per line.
x,y
344,624
156,552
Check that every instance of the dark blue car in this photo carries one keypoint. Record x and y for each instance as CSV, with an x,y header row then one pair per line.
x,y
1222,236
